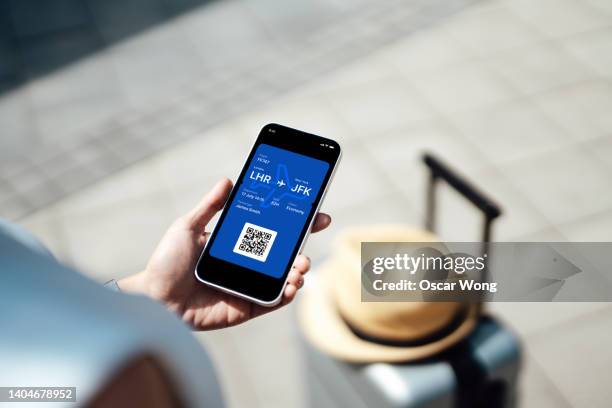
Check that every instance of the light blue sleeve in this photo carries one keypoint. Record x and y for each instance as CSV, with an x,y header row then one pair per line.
x,y
59,328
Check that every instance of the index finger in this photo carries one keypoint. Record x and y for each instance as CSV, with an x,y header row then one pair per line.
x,y
210,205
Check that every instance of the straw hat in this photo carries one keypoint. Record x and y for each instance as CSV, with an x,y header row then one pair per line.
x,y
335,320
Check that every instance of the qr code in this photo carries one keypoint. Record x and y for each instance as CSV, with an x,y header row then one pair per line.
x,y
255,242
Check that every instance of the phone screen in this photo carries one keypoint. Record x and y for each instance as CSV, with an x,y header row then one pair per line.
x,y
267,216
271,207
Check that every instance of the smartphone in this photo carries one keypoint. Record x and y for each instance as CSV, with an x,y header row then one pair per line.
x,y
269,213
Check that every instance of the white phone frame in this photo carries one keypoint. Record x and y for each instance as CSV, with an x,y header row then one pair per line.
x,y
276,300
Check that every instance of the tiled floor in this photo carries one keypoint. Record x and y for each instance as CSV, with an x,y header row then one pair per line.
x,y
515,94
126,96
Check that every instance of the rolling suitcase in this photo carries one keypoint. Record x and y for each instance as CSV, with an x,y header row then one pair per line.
x,y
480,371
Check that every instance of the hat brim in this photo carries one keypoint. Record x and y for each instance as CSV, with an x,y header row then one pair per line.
x,y
325,329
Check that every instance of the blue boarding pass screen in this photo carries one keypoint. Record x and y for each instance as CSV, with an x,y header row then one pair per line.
x,y
269,211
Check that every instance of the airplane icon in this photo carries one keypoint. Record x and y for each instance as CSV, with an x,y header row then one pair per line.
x,y
280,183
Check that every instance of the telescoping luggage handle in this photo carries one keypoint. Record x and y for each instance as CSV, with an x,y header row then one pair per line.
x,y
439,170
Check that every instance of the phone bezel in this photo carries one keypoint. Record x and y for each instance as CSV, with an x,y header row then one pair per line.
x,y
248,283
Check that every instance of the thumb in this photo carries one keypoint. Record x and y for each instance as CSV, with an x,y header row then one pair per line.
x,y
209,206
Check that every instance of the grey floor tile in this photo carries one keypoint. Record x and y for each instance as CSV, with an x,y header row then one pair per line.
x,y
511,131
128,148
563,185
158,65
379,106
539,66
157,134
601,150
259,346
27,181
489,27
237,386
379,67
76,178
114,240
558,18
17,132
75,99
597,227
582,372
462,87
549,233
6,191
602,5
95,158
269,380
244,37
40,195
427,50
528,318
128,185
582,109
294,18
536,389
592,48
58,163
14,207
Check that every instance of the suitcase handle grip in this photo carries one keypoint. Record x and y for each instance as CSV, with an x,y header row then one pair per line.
x,y
439,170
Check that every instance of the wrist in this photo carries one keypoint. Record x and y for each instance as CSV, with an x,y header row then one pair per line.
x,y
134,284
